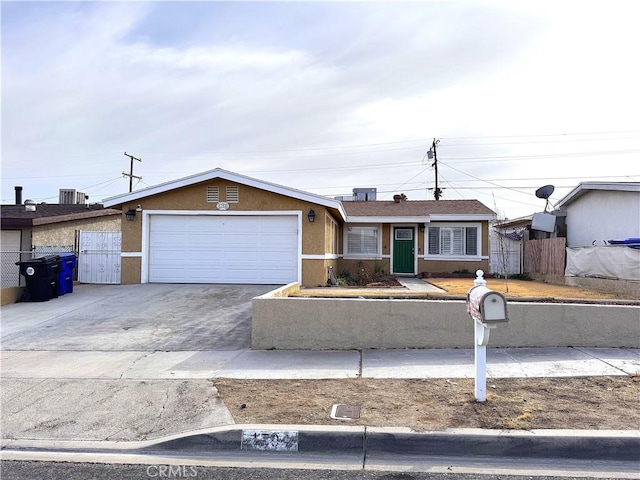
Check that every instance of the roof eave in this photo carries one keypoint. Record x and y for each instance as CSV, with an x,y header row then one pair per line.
x,y
230,176
462,217
70,217
585,187
387,219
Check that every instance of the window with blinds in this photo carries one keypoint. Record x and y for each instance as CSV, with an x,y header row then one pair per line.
x,y
363,241
453,241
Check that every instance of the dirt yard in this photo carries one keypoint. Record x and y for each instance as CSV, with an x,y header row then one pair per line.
x,y
522,288
436,404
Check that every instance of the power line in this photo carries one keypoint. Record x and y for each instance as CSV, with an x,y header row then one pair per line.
x,y
399,142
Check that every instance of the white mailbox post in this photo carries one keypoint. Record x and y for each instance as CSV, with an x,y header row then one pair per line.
x,y
488,309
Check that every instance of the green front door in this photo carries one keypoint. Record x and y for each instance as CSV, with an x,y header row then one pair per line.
x,y
403,250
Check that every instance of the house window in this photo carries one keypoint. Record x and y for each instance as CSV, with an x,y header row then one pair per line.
x,y
453,240
213,194
331,239
233,194
363,241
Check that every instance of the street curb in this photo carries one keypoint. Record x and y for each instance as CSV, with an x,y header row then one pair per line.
x,y
618,446
595,448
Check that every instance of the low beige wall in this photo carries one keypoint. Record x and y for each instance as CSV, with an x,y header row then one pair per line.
x,y
354,323
10,295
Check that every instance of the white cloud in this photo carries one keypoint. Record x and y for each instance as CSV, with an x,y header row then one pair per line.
x,y
271,89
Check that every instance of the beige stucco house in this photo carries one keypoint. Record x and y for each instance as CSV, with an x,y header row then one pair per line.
x,y
222,227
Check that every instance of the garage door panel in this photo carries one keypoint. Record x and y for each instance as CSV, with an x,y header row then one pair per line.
x,y
223,249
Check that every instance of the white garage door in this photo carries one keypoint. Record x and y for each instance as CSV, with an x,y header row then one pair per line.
x,y
223,249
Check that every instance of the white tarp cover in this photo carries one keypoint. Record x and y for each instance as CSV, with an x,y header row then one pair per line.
x,y
614,261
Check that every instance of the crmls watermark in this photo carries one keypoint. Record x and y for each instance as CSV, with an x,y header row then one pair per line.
x,y
171,471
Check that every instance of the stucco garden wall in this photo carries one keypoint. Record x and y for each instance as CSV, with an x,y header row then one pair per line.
x,y
64,233
355,323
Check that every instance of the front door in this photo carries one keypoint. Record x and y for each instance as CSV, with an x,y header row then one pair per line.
x,y
403,250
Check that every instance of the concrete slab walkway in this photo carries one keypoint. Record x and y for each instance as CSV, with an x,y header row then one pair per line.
x,y
318,364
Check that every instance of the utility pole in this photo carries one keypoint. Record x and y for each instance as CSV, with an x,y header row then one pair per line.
x,y
432,153
130,174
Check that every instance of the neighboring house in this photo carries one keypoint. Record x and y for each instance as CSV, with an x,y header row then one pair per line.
x,y
35,230
507,240
596,214
222,227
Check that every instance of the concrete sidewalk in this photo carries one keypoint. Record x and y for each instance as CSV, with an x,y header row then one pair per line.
x,y
134,396
318,364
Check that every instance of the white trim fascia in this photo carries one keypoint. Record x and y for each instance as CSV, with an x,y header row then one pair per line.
x,y
434,258
353,219
232,177
584,187
146,223
235,213
326,256
462,217
131,254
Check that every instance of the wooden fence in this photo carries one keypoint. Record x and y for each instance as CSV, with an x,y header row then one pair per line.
x,y
546,257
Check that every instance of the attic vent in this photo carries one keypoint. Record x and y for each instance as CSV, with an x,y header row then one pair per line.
x,y
232,194
213,194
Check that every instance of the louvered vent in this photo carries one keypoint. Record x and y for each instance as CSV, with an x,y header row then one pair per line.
x,y
213,194
233,195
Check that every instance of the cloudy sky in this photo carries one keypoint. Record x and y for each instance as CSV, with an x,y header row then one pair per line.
x,y
322,96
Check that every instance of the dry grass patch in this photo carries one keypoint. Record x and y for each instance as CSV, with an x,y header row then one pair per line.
x,y
437,404
522,288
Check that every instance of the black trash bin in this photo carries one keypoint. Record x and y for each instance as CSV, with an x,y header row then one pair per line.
x,y
41,275
65,275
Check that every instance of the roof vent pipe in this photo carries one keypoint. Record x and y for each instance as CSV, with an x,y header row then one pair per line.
x,y
18,195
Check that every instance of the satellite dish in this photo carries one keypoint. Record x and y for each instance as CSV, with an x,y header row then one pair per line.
x,y
545,192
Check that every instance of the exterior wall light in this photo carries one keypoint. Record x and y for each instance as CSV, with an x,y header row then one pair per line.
x,y
131,214
311,216
422,227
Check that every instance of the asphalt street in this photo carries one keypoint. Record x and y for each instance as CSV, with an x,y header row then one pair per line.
x,y
19,470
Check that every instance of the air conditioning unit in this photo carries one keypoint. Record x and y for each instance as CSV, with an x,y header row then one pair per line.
x,y
365,194
70,196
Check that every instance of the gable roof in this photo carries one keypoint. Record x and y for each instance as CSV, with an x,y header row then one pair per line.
x,y
417,211
45,213
585,187
230,176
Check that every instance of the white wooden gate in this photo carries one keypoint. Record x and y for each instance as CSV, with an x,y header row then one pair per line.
x,y
99,257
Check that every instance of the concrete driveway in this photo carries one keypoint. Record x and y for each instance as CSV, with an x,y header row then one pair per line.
x,y
149,317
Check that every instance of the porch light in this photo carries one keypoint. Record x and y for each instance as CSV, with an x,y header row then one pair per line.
x,y
131,214
311,216
422,227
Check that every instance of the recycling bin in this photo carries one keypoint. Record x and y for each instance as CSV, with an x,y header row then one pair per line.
x,y
41,275
65,275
